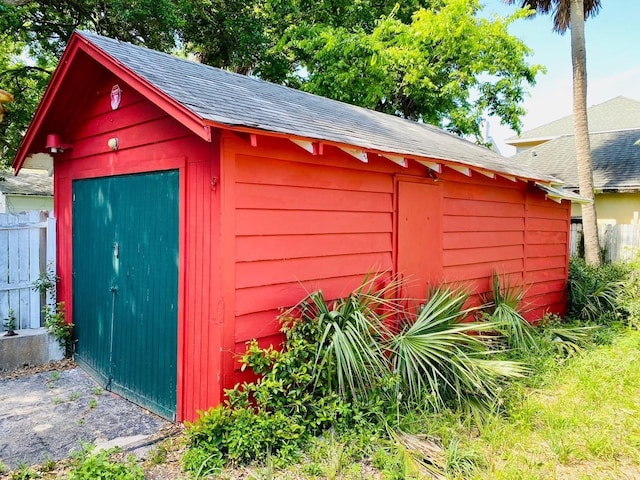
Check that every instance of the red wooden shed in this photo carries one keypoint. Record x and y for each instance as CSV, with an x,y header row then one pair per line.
x,y
192,203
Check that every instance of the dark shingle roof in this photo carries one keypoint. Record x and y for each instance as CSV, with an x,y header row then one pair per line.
x,y
239,101
615,157
27,183
619,113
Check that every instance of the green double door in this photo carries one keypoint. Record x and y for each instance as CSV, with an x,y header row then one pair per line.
x,y
125,284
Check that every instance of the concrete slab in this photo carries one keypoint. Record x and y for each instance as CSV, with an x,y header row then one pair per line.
x,y
48,415
30,347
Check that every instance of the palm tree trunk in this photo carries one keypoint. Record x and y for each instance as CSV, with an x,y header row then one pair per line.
x,y
583,146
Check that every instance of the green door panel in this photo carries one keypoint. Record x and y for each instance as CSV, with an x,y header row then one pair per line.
x,y
125,284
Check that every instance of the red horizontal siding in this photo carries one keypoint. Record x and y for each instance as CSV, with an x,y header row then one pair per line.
x,y
478,189
108,120
274,297
256,325
272,247
472,239
295,222
482,224
271,171
301,227
254,274
546,238
308,198
304,223
481,271
482,208
152,132
547,225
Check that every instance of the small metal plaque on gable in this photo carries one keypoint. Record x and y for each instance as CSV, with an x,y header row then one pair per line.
x,y
116,96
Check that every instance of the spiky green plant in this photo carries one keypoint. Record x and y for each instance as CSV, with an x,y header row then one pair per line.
x,y
349,355
594,291
435,354
505,312
441,354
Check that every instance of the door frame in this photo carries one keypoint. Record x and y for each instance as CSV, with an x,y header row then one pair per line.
x,y
429,181
174,163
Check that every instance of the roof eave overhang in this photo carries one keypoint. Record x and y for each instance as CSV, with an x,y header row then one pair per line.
x,y
77,44
514,142
557,195
397,157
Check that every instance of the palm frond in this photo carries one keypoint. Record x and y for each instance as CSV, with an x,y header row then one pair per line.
x,y
507,300
441,354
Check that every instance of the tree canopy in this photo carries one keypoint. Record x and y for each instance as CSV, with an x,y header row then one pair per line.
x,y
437,61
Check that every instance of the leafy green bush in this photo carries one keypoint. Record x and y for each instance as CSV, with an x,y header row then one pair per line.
x,y
56,324
439,353
275,415
629,296
87,464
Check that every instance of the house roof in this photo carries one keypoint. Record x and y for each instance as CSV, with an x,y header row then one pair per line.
x,y
28,183
213,97
615,157
619,113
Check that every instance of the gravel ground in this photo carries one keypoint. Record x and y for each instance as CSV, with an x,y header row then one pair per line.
x,y
45,415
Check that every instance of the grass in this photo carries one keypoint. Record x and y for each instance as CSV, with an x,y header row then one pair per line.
x,y
579,420
583,423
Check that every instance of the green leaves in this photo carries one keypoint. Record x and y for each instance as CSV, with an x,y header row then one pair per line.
x,y
594,293
441,354
505,312
446,66
436,61
435,353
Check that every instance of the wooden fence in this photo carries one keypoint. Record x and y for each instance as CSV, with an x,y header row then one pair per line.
x,y
27,248
620,241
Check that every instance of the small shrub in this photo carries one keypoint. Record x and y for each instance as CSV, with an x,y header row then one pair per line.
x,y
56,324
86,464
24,473
159,454
355,364
566,338
10,324
48,465
439,354
630,295
47,281
594,292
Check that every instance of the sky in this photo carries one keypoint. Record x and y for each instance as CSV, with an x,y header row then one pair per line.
x,y
613,62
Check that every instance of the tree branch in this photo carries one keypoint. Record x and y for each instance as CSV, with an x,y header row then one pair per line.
x,y
25,68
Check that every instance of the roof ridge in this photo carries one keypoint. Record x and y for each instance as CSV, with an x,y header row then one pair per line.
x,y
210,97
273,84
